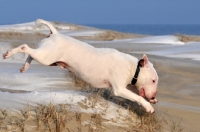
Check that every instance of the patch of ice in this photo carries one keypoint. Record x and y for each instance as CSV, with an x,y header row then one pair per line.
x,y
21,100
186,56
188,51
167,39
18,27
30,26
81,32
113,113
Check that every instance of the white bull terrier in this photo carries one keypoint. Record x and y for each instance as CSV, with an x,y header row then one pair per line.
x,y
100,67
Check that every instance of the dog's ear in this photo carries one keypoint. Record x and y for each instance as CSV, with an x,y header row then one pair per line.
x,y
144,61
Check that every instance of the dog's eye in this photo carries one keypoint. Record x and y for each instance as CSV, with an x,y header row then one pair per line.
x,y
154,81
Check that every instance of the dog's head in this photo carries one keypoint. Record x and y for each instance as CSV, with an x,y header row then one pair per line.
x,y
147,79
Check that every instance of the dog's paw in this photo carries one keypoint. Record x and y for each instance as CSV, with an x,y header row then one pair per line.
x,y
148,107
6,55
24,68
154,101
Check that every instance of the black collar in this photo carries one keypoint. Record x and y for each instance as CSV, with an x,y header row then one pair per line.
x,y
134,80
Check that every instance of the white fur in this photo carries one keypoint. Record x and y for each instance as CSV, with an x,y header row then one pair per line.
x,y
100,67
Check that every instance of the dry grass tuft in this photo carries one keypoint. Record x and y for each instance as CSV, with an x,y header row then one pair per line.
x,y
188,38
12,122
10,35
144,121
52,117
81,85
3,116
109,35
63,118
16,38
137,118
95,123
176,127
57,25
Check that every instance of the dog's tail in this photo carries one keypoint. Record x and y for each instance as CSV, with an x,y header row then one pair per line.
x,y
48,24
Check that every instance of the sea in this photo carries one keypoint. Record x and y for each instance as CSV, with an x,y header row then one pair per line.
x,y
151,29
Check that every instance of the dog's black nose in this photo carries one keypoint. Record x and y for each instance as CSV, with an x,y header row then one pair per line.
x,y
153,98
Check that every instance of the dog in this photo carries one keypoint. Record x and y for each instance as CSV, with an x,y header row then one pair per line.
x,y
100,67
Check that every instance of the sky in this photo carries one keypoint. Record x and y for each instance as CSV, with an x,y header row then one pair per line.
x,y
101,11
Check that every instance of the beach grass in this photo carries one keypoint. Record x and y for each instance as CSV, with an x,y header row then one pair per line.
x,y
66,118
188,38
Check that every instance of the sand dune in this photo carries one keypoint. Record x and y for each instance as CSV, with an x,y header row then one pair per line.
x,y
44,89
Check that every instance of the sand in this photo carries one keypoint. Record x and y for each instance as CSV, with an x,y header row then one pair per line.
x,y
178,91
92,109
178,88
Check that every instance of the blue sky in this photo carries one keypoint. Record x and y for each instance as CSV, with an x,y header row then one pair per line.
x,y
102,11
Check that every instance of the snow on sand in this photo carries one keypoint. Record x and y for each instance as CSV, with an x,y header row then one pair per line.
x,y
42,84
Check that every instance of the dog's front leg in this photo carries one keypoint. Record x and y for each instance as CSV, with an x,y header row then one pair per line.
x,y
136,91
125,93
27,64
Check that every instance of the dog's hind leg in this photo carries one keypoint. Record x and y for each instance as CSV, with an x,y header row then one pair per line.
x,y
27,64
33,54
22,48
